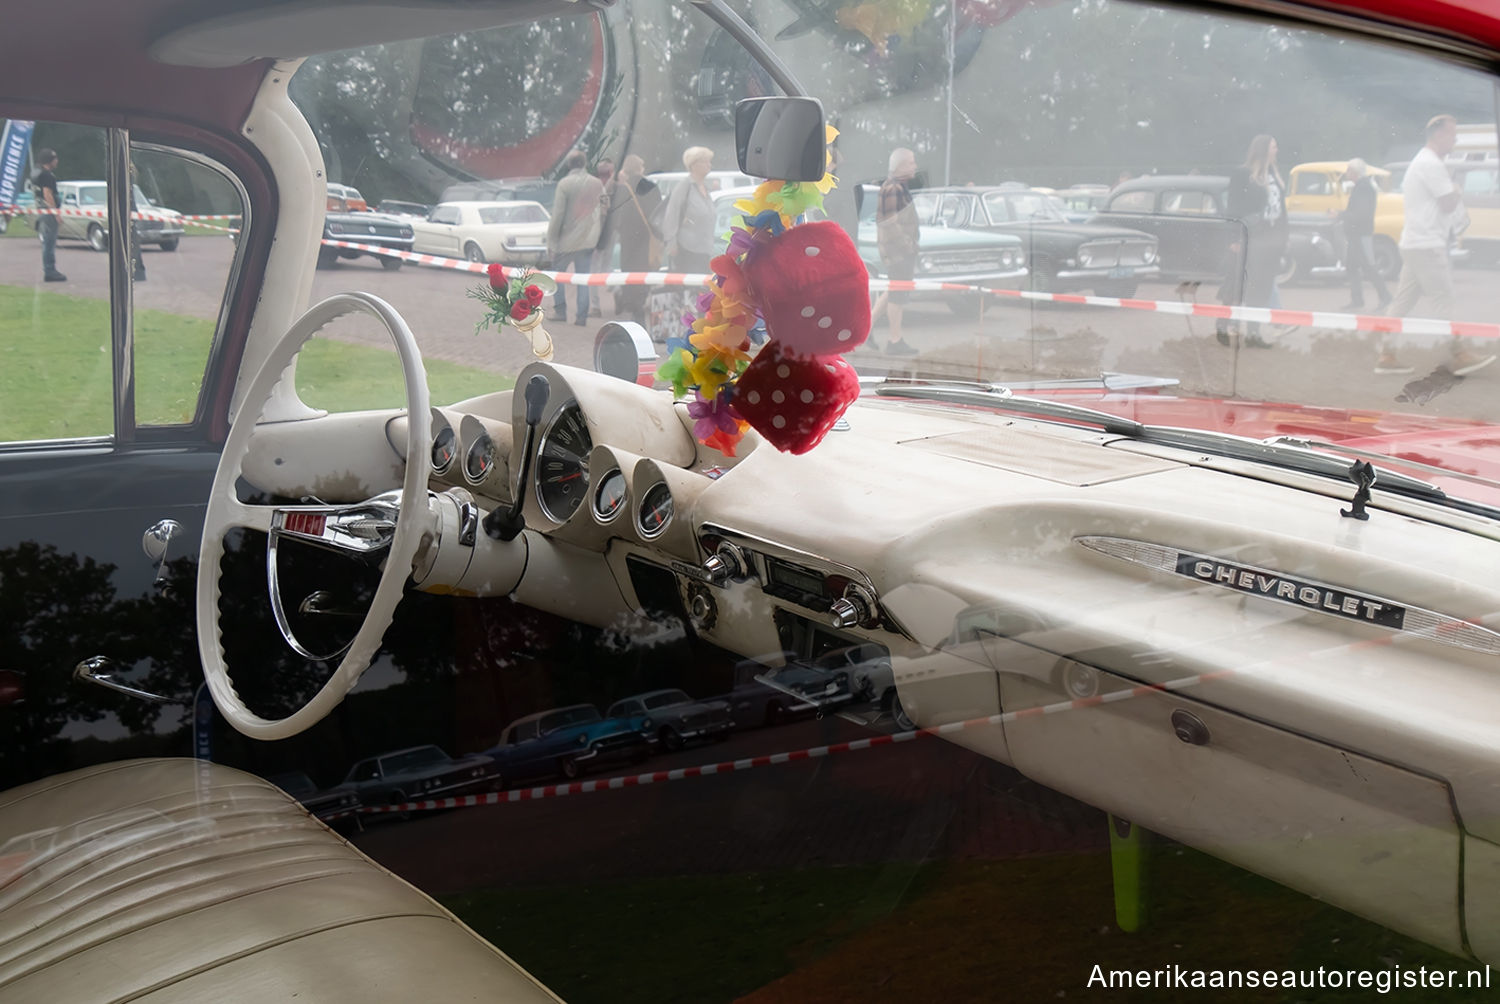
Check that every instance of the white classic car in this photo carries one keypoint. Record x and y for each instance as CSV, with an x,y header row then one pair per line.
x,y
1224,611
513,233
83,201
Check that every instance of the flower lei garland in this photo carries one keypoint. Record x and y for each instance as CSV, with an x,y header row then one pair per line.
x,y
714,349
516,299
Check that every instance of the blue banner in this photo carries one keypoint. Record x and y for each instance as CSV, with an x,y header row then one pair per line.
x,y
13,144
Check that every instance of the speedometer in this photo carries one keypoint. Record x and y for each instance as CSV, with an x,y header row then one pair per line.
x,y
656,510
443,449
480,459
562,475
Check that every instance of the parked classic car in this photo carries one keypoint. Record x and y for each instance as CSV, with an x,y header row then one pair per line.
x,y
353,202
1203,620
945,254
565,742
91,197
1319,189
416,773
513,233
675,719
341,224
1060,255
329,805
410,210
523,189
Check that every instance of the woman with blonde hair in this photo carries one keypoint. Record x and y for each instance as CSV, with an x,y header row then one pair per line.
x,y
1257,199
688,227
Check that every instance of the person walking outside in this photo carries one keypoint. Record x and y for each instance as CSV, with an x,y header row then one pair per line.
x,y
602,260
45,185
897,235
1433,208
1257,198
633,201
1359,237
688,227
573,231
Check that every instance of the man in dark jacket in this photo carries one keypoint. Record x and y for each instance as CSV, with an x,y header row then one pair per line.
x,y
45,185
1359,230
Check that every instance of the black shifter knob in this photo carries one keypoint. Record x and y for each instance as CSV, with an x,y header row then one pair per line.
x,y
506,524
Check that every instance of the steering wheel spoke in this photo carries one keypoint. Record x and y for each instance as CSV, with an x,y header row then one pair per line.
x,y
386,529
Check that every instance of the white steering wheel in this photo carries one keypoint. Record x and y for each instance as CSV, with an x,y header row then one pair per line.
x,y
340,527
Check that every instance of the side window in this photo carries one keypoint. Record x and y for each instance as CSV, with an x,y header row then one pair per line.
x,y
1312,183
1140,201
523,732
57,378
366,771
182,262
1190,202
445,214
955,211
1480,182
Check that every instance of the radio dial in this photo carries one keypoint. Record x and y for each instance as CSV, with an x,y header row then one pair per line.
x,y
854,608
727,562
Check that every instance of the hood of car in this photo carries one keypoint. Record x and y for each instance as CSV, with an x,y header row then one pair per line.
x,y
1079,232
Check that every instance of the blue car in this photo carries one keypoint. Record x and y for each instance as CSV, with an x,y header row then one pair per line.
x,y
565,742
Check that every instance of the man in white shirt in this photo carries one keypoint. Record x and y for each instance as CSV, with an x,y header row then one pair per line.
x,y
1432,209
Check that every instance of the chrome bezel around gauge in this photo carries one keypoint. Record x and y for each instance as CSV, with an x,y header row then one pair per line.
x,y
569,408
604,481
486,442
640,515
437,437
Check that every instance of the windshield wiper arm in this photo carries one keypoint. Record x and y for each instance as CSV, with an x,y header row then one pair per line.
x,y
1003,399
1222,444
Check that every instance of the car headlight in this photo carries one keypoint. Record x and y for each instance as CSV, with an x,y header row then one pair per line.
x,y
510,242
925,264
1149,255
1085,259
645,724
1071,262
405,231
583,739
335,228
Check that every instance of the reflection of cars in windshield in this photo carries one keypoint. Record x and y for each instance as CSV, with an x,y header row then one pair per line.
x,y
339,224
328,804
502,190
89,222
417,773
353,201
395,207
675,719
513,233
565,742
1060,255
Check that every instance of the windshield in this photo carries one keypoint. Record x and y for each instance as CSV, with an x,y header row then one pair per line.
x,y
581,715
426,756
532,213
490,104
666,699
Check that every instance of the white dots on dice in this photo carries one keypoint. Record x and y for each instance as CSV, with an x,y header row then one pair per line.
x,y
845,334
825,322
754,396
807,397
809,310
777,396
778,421
811,252
783,371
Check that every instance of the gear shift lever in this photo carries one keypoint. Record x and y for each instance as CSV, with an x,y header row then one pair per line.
x,y
506,524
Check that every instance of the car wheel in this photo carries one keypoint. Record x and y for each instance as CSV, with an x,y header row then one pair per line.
x,y
169,244
397,797
903,721
390,264
97,238
568,768
969,306
1290,269
1387,258
1121,289
671,739
473,253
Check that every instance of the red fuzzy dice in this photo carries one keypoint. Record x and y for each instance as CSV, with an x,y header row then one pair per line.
x,y
794,400
812,289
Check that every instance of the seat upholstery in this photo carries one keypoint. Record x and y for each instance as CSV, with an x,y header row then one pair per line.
x,y
181,880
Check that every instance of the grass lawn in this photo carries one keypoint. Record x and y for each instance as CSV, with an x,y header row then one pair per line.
x,y
1026,929
55,377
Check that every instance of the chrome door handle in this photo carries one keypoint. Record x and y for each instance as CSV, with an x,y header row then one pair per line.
x,y
99,669
155,541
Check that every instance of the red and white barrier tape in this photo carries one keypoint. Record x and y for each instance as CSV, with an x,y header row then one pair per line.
x,y
1326,320
100,214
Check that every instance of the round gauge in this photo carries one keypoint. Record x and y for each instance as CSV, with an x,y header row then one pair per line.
x,y
480,459
444,446
609,496
656,509
562,464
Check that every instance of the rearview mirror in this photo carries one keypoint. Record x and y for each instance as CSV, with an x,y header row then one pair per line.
x,y
781,137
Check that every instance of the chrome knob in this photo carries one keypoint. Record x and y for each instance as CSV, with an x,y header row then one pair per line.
x,y
727,562
855,607
844,613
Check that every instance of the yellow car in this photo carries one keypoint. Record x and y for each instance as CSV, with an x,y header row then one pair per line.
x,y
1319,187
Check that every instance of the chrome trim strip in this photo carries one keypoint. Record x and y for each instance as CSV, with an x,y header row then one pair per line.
x,y
761,545
1326,599
121,269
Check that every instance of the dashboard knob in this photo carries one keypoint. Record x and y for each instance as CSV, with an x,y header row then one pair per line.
x,y
702,609
844,613
727,562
